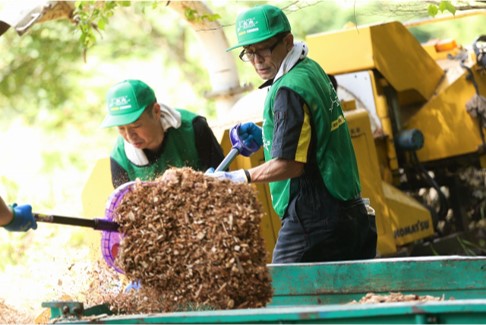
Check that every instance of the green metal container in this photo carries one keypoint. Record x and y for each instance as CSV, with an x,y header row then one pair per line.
x,y
322,293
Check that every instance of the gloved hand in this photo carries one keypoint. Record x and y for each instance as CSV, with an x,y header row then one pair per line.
x,y
134,285
23,219
249,132
246,137
237,176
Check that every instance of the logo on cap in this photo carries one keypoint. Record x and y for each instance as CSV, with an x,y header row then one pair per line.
x,y
120,103
247,26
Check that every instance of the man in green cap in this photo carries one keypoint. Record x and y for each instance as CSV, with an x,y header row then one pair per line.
x,y
310,163
154,137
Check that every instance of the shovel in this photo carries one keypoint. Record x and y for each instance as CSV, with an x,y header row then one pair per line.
x,y
97,224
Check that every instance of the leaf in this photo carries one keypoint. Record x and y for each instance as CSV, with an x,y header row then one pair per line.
x,y
450,7
102,23
433,10
447,6
213,17
190,14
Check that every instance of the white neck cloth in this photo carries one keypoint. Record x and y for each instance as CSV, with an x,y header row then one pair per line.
x,y
298,52
169,118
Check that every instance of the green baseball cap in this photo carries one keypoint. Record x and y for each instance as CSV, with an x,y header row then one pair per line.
x,y
126,101
258,24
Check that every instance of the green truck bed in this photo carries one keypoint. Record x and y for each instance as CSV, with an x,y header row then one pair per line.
x,y
322,292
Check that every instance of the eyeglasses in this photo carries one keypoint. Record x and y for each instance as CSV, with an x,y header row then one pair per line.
x,y
247,56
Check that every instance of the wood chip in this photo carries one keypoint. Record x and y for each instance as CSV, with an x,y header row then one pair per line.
x,y
372,298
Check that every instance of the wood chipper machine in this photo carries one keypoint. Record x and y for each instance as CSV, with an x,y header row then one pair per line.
x,y
426,104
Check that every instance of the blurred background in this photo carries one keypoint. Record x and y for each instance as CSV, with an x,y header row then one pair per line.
x,y
52,103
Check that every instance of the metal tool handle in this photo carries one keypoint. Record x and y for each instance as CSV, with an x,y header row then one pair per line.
x,y
227,160
97,224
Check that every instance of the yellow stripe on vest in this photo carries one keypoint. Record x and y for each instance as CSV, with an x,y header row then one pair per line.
x,y
304,138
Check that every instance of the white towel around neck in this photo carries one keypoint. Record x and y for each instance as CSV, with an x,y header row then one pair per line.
x,y
298,52
169,118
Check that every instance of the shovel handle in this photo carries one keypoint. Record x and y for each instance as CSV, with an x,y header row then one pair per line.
x,y
227,160
97,224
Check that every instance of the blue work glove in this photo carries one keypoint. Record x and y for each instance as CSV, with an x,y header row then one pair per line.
x,y
237,176
23,219
134,285
250,132
246,137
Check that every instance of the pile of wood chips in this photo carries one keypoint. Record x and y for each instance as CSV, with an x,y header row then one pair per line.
x,y
194,243
372,298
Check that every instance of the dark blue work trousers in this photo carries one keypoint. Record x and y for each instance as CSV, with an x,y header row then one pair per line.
x,y
329,230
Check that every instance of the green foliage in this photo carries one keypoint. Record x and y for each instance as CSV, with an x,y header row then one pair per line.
x,y
34,80
13,189
78,238
464,30
194,16
92,16
11,252
443,6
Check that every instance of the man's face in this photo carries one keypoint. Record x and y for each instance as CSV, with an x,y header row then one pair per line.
x,y
267,56
146,132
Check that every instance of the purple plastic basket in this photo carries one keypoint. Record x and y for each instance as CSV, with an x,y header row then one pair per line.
x,y
110,240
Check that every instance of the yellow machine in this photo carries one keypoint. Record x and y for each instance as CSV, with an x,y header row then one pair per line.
x,y
416,117
425,102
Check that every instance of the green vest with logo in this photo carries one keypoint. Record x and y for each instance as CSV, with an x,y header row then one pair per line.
x,y
179,151
334,150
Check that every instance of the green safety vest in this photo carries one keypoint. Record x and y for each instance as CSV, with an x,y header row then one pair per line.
x,y
179,151
334,150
